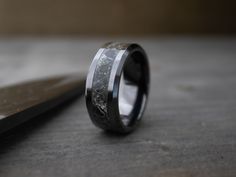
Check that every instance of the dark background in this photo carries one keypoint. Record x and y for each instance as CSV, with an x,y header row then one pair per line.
x,y
117,17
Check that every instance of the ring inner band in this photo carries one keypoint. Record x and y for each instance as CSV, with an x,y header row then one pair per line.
x,y
129,88
127,97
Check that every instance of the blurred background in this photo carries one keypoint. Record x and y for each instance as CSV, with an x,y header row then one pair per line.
x,y
117,17
45,37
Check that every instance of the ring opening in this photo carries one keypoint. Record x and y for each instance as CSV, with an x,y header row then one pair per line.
x,y
127,97
132,88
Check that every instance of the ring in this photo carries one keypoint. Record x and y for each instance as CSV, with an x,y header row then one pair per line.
x,y
117,87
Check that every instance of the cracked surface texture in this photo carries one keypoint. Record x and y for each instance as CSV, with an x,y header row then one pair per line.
x,y
101,80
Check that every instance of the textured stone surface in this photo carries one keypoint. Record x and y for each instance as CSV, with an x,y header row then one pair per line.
x,y
188,129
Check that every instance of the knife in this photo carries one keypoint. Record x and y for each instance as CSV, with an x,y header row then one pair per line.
x,y
23,101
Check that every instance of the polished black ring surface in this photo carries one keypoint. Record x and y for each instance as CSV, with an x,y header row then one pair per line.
x,y
117,87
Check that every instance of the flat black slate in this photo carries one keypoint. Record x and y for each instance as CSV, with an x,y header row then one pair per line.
x,y
189,128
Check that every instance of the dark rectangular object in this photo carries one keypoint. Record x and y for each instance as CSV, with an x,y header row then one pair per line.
x,y
19,103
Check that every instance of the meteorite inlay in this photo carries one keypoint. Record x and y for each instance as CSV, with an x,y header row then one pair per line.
x,y
101,80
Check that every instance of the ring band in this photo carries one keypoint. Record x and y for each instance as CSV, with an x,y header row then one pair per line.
x,y
117,87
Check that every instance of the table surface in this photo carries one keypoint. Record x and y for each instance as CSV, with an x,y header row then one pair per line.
x,y
189,127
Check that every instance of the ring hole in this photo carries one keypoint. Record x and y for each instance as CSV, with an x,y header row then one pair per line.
x,y
128,92
129,89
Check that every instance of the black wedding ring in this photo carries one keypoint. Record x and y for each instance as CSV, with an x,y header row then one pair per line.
x,y
117,87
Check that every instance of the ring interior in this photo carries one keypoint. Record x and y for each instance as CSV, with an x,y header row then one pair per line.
x,y
133,88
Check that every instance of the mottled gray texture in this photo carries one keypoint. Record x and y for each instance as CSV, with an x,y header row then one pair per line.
x,y
100,82
188,129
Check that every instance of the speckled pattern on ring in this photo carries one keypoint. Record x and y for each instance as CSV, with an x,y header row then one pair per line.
x,y
100,81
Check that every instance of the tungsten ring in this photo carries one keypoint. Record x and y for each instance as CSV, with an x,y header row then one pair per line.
x,y
117,87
